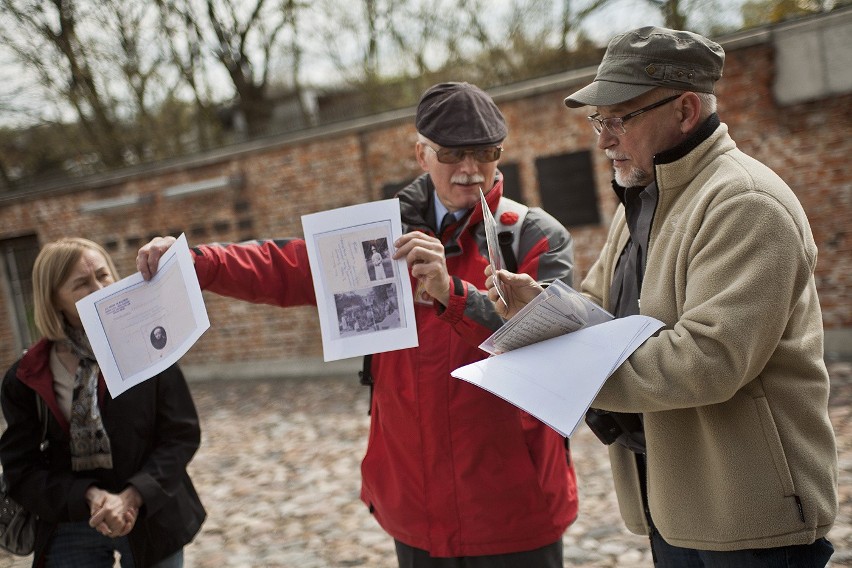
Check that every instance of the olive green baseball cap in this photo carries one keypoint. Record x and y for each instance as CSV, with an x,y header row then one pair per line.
x,y
646,58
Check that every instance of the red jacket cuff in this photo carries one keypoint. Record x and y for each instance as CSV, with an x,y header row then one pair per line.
x,y
454,312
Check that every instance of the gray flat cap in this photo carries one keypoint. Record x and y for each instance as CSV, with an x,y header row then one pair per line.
x,y
459,114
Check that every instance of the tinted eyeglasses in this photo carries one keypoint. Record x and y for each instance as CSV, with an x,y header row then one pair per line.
x,y
615,124
482,155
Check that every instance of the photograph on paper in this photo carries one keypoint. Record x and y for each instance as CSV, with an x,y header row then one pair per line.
x,y
366,310
379,265
363,296
356,272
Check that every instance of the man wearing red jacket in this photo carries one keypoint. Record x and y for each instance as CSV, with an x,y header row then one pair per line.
x,y
457,476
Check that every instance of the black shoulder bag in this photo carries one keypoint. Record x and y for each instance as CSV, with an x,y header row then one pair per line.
x,y
17,525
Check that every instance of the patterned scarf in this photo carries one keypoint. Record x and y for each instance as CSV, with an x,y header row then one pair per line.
x,y
90,446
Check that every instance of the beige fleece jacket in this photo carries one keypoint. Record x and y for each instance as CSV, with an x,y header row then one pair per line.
x,y
734,391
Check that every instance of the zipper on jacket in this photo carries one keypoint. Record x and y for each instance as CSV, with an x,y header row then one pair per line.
x,y
799,506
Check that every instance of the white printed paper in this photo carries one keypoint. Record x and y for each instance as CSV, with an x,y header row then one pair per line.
x,y
495,258
363,296
556,380
138,329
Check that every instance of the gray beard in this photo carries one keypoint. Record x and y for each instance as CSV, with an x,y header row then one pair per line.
x,y
634,178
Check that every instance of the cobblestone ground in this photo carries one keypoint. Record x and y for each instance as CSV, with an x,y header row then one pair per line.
x,y
278,472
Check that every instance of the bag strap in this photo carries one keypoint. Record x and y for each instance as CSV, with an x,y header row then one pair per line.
x,y
366,378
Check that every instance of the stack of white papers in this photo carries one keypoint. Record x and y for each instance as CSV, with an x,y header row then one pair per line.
x,y
554,356
556,380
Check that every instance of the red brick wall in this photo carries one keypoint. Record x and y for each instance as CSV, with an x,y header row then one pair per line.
x,y
807,144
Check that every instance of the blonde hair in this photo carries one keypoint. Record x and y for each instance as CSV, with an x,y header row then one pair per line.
x,y
51,269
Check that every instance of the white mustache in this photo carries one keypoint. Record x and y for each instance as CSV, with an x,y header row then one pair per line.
x,y
467,179
614,156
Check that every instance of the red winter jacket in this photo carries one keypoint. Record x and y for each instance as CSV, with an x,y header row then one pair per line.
x,y
450,468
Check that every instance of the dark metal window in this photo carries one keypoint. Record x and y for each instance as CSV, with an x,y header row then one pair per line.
x,y
511,181
568,188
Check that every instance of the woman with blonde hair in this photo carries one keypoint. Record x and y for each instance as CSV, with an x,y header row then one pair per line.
x,y
111,476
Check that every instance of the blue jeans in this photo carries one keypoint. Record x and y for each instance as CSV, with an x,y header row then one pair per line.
x,y
77,545
813,555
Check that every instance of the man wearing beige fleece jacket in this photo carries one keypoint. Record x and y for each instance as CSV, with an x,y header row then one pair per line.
x,y
720,442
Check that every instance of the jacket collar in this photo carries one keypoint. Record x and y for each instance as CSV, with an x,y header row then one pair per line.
x,y
34,368
34,371
703,133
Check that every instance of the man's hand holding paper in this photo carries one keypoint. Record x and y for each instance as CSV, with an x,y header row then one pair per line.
x,y
425,257
555,351
518,291
140,326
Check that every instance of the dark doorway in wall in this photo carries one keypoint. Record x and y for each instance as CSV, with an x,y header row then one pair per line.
x,y
16,269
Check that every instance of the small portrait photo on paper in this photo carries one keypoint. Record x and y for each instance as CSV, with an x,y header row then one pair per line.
x,y
158,337
367,310
379,263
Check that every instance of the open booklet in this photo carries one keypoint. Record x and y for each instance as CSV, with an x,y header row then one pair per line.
x,y
558,310
495,258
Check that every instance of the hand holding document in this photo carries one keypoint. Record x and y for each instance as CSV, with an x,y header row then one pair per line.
x,y
138,329
558,310
555,354
363,296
